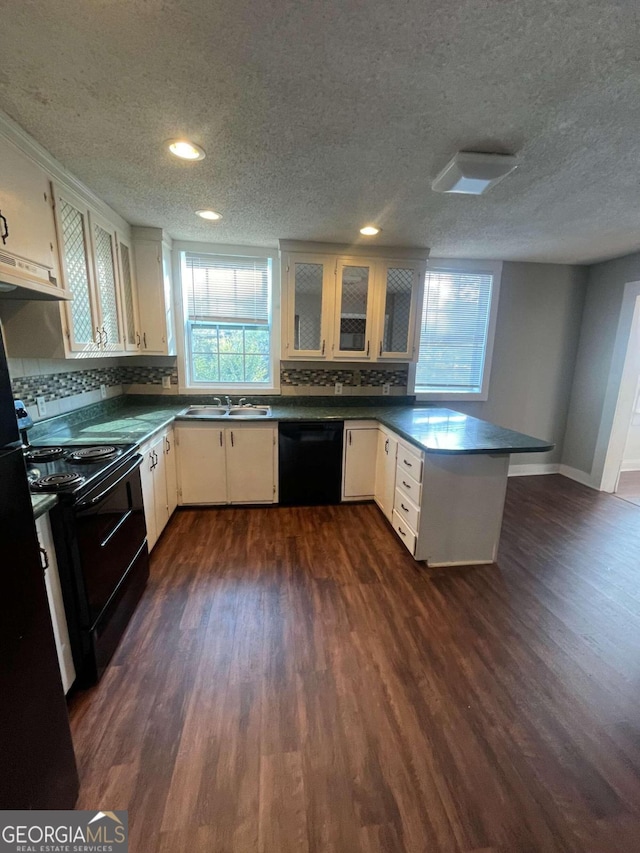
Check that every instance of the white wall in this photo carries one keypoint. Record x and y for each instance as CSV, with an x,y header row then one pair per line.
x,y
537,332
599,366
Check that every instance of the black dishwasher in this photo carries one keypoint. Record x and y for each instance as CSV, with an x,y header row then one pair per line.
x,y
310,463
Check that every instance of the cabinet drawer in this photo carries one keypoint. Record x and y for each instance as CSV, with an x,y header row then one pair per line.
x,y
408,485
410,463
406,509
405,533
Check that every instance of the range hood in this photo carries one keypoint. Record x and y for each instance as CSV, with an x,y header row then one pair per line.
x,y
23,279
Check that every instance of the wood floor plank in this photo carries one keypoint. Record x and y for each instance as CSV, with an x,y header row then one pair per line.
x,y
294,681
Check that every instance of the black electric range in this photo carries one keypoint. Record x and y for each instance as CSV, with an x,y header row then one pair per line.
x,y
71,472
100,541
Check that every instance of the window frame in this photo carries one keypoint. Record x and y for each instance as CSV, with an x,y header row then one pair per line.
x,y
186,385
493,268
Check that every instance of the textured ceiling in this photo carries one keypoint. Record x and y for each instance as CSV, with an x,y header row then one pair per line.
x,y
320,116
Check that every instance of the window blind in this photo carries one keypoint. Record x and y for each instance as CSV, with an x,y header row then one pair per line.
x,y
453,332
227,289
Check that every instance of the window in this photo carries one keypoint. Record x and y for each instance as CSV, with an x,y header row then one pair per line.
x,y
228,330
456,330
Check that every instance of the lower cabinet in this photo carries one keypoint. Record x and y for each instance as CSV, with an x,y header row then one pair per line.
x,y
56,604
445,508
159,482
385,483
227,465
359,463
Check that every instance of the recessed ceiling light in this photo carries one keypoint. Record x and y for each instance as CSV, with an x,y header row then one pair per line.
x,y
472,174
209,214
186,150
370,230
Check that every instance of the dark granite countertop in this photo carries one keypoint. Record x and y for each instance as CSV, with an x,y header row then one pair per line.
x,y
42,504
432,429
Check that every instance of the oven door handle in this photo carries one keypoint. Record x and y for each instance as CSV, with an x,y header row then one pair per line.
x,y
103,495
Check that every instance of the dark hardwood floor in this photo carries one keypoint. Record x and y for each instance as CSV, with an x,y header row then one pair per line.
x,y
293,681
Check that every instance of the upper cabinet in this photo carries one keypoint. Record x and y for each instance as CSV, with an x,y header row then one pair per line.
x,y
98,275
152,250
27,234
350,306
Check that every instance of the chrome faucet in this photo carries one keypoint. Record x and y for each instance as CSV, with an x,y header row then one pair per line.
x,y
228,399
242,400
217,400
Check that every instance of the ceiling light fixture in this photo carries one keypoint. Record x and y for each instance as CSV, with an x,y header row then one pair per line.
x,y
370,230
185,150
211,215
470,173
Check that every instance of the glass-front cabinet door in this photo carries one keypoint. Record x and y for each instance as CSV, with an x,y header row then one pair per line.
x,y
400,290
131,333
104,251
72,225
310,280
354,309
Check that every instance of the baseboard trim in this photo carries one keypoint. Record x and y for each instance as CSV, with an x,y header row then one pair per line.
x,y
631,465
579,476
533,469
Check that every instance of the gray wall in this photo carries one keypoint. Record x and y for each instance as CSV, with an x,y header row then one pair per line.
x,y
597,361
537,332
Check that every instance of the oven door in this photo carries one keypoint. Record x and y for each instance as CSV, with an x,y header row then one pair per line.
x,y
110,531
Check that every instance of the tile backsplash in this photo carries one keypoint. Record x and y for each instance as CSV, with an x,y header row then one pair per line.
x,y
309,377
68,385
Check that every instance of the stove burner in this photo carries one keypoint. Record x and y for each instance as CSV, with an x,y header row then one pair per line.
x,y
57,482
94,454
44,454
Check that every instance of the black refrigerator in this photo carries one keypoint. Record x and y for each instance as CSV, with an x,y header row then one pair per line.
x,y
37,763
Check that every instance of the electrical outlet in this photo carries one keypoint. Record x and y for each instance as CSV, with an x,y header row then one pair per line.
x,y
103,391
42,406
386,389
338,388
166,382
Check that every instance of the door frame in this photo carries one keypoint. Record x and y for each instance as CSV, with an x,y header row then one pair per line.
x,y
620,399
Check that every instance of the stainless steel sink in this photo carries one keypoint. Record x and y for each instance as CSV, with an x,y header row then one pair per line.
x,y
204,412
250,412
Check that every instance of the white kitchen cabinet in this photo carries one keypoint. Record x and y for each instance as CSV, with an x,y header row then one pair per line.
x,y
152,250
56,603
359,460
132,339
202,463
251,453
108,298
385,482
157,473
226,464
446,508
350,307
28,255
307,315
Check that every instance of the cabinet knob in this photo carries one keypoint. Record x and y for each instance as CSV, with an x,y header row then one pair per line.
x,y
45,558
4,229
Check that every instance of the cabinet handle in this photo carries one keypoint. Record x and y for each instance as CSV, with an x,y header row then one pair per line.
x,y
45,558
323,347
401,531
138,337
106,336
367,347
144,338
220,438
404,507
406,485
386,446
408,464
349,437
98,336
380,353
231,438
167,444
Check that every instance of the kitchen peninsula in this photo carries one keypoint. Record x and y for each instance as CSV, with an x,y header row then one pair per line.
x,y
439,476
